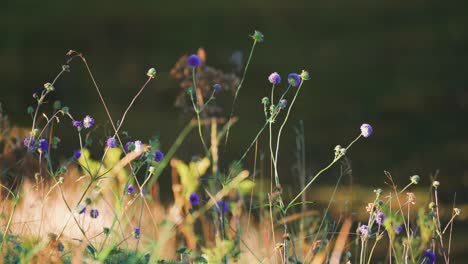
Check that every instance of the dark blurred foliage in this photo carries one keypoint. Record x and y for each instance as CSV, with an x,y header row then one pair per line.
x,y
398,65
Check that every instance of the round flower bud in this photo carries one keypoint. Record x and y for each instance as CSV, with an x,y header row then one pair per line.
x,y
49,87
274,78
158,156
366,130
305,75
415,179
432,205
265,100
457,211
283,103
435,184
151,73
193,60
194,199
257,36
378,191
217,87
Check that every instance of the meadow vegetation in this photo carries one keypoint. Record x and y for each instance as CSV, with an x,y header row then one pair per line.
x,y
106,206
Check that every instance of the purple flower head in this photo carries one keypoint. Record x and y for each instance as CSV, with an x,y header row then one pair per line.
x,y
274,78
364,231
111,142
94,213
366,130
193,60
158,156
88,122
43,145
294,79
282,103
77,154
223,206
430,256
398,229
77,124
130,190
29,143
217,87
136,232
380,218
127,146
194,199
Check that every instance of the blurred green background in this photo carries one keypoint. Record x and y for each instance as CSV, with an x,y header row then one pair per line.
x,y
401,66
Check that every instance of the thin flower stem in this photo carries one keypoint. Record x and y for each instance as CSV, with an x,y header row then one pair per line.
x,y
231,115
253,142
283,124
318,174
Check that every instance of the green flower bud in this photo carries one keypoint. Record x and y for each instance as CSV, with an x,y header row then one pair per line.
x,y
257,36
190,90
65,109
151,170
88,201
151,73
432,205
57,105
305,75
435,184
378,191
415,179
265,100
66,68
457,211
49,87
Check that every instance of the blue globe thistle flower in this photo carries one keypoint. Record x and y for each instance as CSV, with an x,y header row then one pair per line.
x,y
77,124
364,231
194,199
111,142
77,154
43,145
380,218
130,190
223,206
366,130
193,60
88,122
274,78
217,87
158,156
430,256
94,213
29,142
294,79
136,232
282,103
